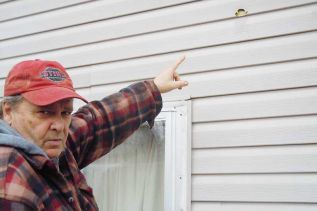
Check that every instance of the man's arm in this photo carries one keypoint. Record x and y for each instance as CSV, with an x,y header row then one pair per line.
x,y
101,125
8,205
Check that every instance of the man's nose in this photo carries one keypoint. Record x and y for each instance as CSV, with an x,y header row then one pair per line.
x,y
57,124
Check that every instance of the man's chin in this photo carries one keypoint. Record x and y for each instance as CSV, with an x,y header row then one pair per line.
x,y
53,153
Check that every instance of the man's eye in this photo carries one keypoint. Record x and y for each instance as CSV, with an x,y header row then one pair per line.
x,y
45,112
67,113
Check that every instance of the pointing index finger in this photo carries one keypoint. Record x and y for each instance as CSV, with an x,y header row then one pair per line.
x,y
178,62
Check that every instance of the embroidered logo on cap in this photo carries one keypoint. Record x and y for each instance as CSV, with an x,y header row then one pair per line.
x,y
53,74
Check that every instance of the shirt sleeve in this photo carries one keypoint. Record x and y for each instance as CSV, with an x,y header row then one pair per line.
x,y
8,205
100,126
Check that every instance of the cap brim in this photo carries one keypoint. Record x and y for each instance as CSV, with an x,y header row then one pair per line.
x,y
50,95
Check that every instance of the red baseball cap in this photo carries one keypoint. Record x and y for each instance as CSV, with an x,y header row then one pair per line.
x,y
40,82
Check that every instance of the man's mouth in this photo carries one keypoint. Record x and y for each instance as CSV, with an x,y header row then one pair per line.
x,y
53,142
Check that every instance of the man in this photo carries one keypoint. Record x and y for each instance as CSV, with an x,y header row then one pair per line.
x,y
43,147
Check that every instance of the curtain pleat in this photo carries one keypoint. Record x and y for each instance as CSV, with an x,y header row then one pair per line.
x,y
131,177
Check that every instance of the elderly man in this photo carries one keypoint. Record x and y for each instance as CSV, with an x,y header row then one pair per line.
x,y
43,145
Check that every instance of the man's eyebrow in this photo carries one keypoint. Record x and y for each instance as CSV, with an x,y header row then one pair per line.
x,y
69,108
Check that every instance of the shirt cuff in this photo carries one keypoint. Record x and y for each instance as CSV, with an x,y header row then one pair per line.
x,y
157,99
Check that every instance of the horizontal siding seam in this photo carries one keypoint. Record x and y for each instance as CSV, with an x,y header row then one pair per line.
x,y
251,146
255,118
45,11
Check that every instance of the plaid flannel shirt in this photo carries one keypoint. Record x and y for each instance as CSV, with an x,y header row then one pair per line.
x,y
33,182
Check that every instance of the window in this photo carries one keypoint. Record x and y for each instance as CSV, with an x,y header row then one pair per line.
x,y
151,170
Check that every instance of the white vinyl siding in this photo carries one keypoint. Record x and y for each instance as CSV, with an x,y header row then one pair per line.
x,y
253,82
18,9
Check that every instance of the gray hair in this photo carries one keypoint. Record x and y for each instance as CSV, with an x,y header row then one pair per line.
x,y
12,100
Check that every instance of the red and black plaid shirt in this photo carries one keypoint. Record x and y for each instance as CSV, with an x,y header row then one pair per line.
x,y
33,182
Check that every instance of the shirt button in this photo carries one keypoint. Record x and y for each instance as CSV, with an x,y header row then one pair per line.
x,y
70,199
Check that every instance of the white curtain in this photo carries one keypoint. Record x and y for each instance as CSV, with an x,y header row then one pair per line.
x,y
131,177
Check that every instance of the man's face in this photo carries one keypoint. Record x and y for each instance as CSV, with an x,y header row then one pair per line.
x,y
45,126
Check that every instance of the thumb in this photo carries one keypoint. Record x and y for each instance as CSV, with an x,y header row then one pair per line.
x,y
179,84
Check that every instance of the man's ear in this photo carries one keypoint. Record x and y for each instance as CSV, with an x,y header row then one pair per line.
x,y
7,112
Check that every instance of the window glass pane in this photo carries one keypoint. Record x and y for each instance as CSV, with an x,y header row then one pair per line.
x,y
131,177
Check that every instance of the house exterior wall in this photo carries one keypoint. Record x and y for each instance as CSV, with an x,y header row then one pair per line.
x,y
253,82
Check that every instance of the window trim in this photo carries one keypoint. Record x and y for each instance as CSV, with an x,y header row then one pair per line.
x,y
177,189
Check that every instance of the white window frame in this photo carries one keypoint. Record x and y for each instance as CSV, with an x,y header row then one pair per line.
x,y
177,181
177,168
